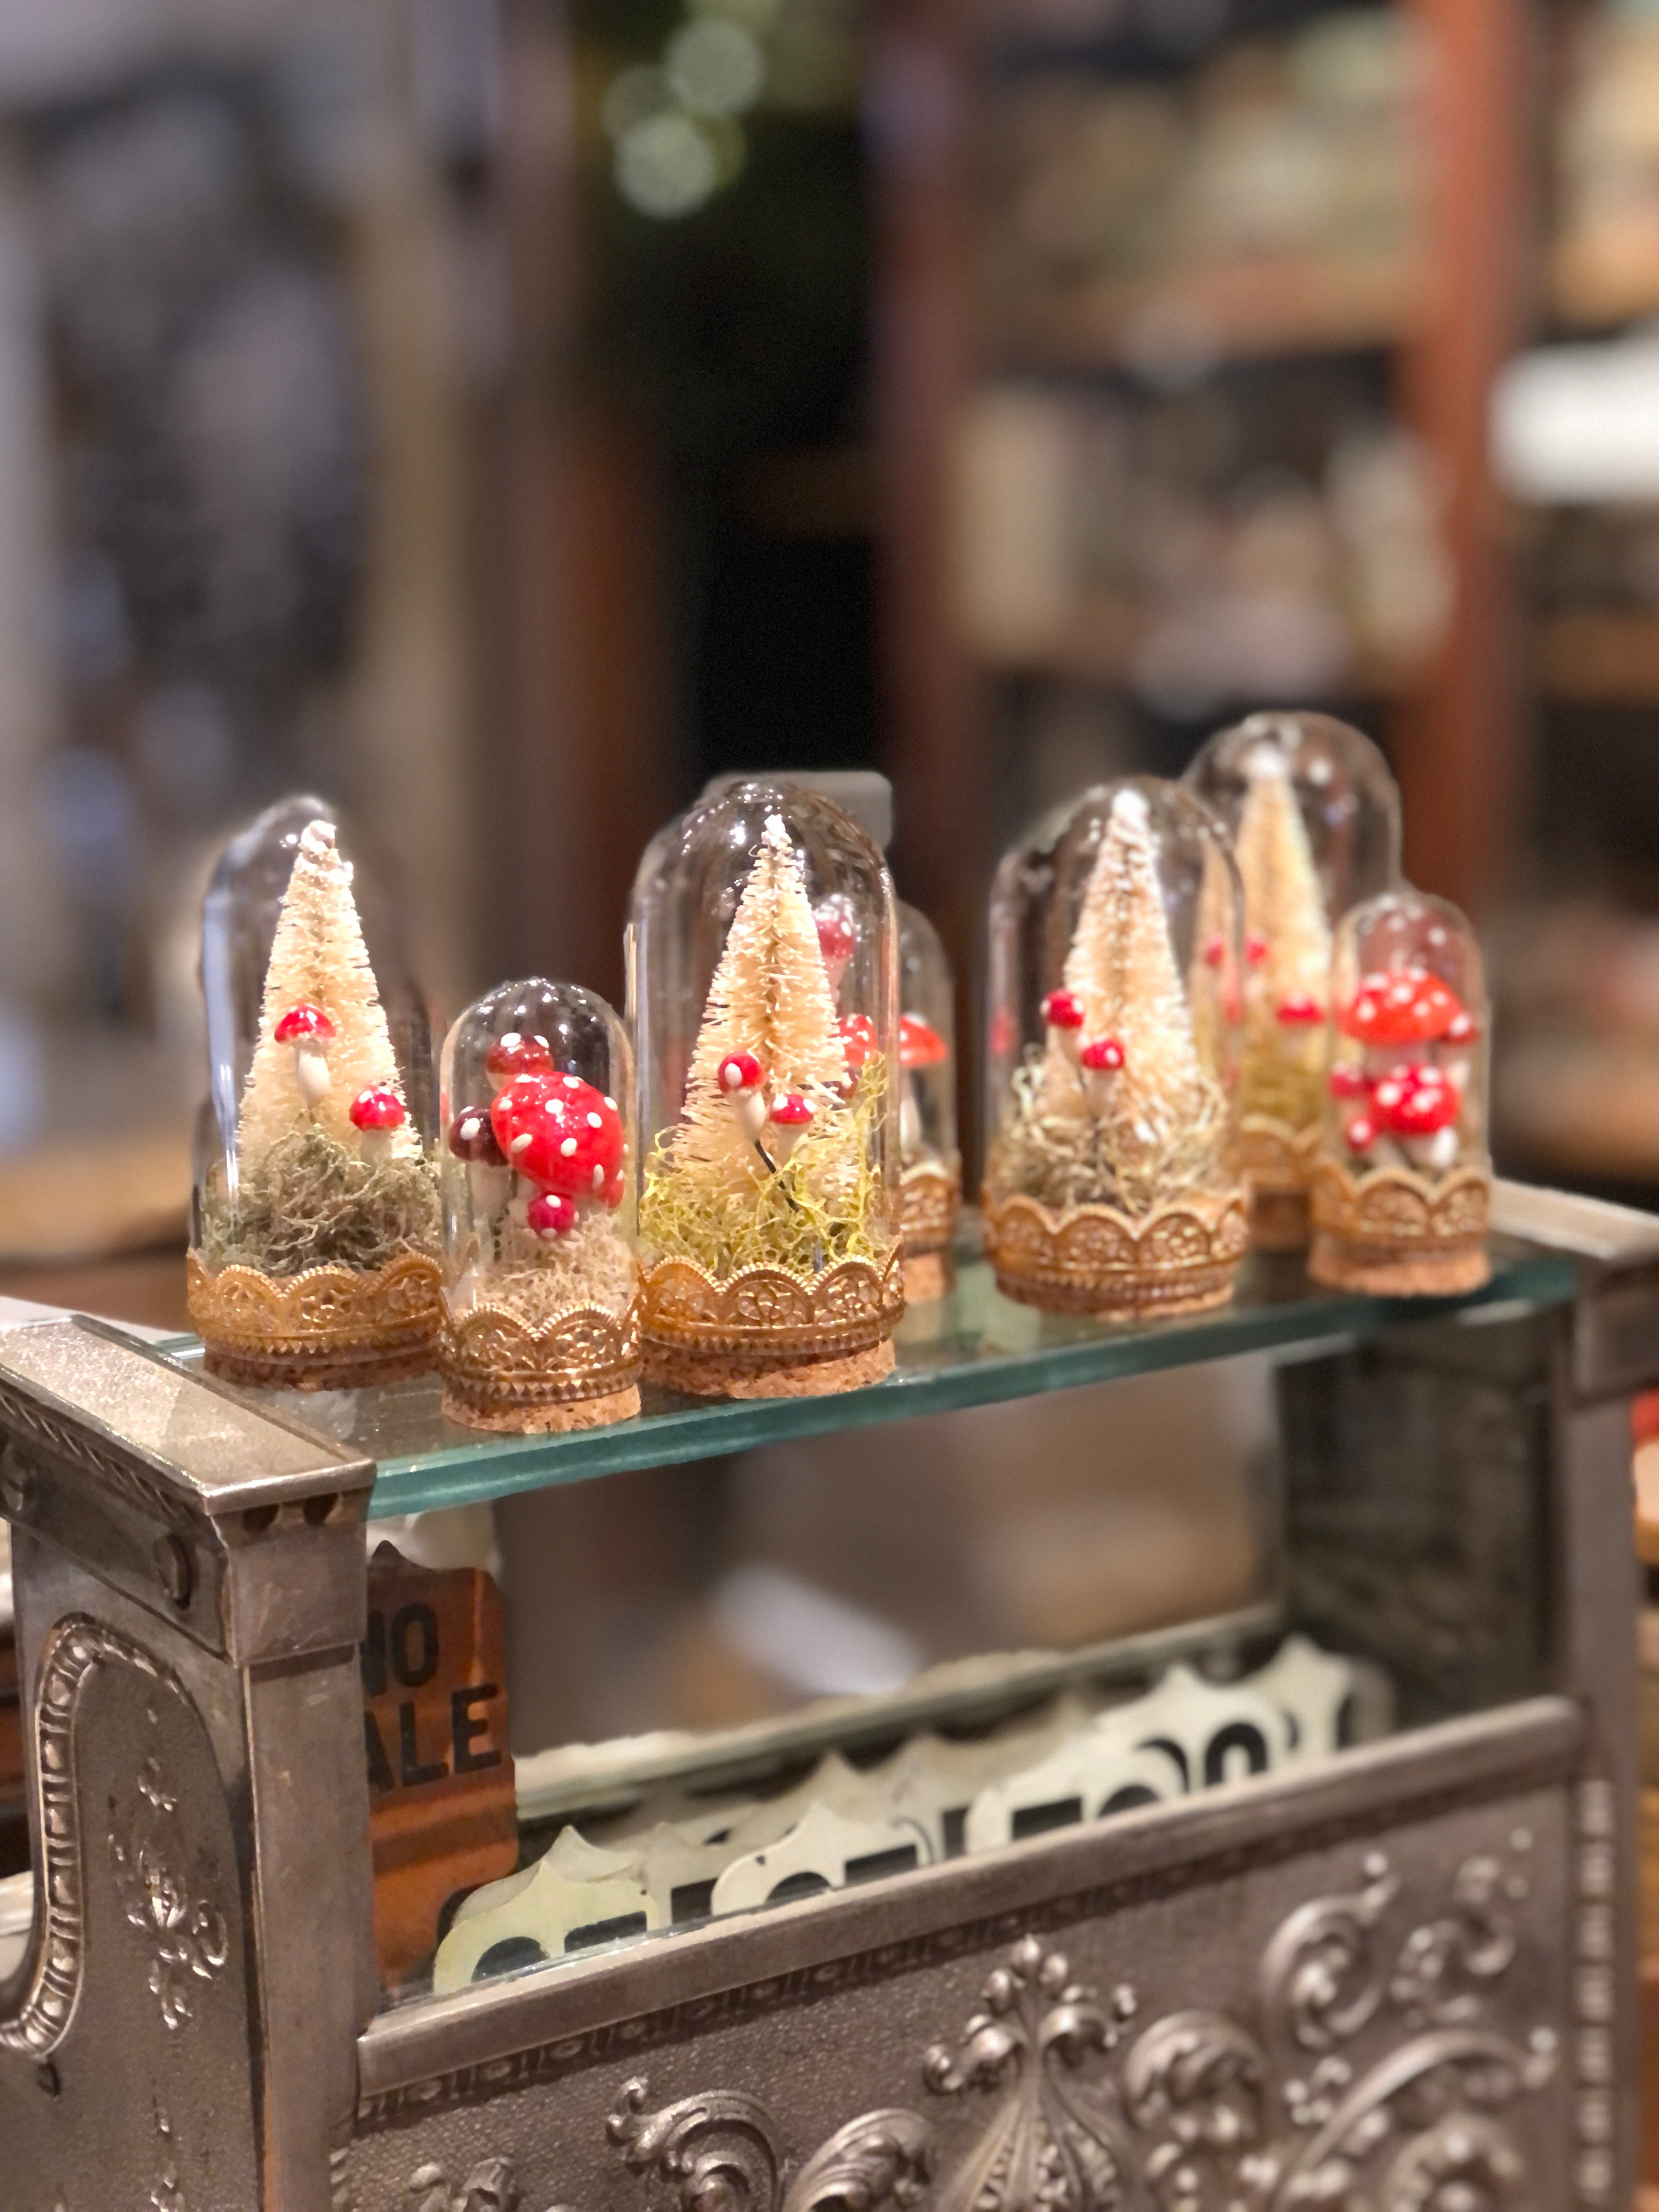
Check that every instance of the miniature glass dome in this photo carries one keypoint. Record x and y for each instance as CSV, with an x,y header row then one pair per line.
x,y
762,999
1115,951
1315,817
315,1228
1403,1191
539,1274
930,1183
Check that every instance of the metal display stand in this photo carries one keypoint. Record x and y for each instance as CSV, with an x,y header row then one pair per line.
x,y
1400,1977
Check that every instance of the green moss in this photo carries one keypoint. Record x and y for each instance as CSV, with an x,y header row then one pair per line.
x,y
312,1202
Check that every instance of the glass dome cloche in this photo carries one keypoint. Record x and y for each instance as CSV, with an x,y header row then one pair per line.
x,y
540,1280
1402,1194
1110,1182
930,1178
1314,814
315,1225
764,1008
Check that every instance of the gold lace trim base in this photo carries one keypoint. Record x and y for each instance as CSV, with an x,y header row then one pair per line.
x,y
930,1198
1398,1234
500,1371
328,1328
1180,1258
1277,1162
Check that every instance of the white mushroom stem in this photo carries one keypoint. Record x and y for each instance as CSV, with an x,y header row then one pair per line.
x,y
1436,1153
786,1135
492,1187
311,1070
376,1145
1457,1069
909,1122
1070,1041
1100,1087
750,1108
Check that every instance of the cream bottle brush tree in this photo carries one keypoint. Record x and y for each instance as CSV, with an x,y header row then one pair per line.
x,y
1141,1131
708,1189
319,960
1288,938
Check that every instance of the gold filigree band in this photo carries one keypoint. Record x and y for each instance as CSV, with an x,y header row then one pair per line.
x,y
1091,1259
494,1362
930,1198
769,1313
1398,1233
330,1328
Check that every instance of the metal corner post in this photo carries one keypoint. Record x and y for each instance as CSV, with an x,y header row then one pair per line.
x,y
190,1585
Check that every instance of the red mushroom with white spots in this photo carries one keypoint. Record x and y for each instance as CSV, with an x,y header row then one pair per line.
x,y
515,1054
561,1134
858,1042
377,1115
1416,1037
472,1137
1299,1009
791,1117
838,939
551,1215
310,1032
1101,1062
742,1080
920,1046
1062,1018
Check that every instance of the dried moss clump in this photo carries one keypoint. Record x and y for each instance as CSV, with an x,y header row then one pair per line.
x,y
823,1205
312,1202
591,1267
1071,1160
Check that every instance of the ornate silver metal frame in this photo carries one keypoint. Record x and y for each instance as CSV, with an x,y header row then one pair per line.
x,y
1399,1979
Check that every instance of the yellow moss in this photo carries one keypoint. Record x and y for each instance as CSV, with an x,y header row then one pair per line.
x,y
824,1204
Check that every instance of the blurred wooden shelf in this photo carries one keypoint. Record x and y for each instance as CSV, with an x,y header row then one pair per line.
x,y
1604,659
1103,649
1248,309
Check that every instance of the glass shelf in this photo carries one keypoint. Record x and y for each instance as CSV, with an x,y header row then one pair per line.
x,y
974,1348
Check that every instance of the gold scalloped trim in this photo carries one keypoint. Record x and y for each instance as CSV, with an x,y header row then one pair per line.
x,y
493,1361
1180,1258
1273,1156
771,1313
930,1198
350,1324
1396,1208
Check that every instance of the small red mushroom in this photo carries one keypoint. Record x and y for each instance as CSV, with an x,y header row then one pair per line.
x,y
1349,1080
561,1134
1403,1005
741,1078
472,1138
920,1045
791,1116
1298,1009
518,1054
1255,948
1063,1010
857,1040
1101,1062
310,1032
551,1215
1215,950
376,1115
1360,1134
838,939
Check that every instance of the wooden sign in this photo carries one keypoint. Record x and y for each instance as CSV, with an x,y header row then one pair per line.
x,y
443,1815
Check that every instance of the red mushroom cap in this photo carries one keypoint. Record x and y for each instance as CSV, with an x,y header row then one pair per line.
x,y
1349,1081
1063,1010
858,1039
1417,1101
301,1022
740,1071
838,936
1102,1053
517,1055
378,1109
792,1111
1297,1007
1215,949
1462,1027
561,1133
549,1213
1360,1134
472,1137
919,1046
1255,948
1404,1006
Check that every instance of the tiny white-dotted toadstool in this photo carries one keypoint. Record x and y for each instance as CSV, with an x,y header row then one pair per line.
x,y
1062,1017
310,1032
791,1116
377,1115
742,1080
1101,1062
838,939
551,1215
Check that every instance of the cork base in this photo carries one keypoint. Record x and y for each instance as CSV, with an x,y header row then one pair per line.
x,y
728,1375
1144,1298
340,1369
1415,1272
552,1420
927,1276
1280,1221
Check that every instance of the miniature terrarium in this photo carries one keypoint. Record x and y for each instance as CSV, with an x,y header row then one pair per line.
x,y
1314,818
539,1275
1402,1192
930,1179
1110,1185
315,1231
764,1005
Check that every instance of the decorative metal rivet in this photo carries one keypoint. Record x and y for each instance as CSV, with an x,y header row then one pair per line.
x,y
45,2078
171,1558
